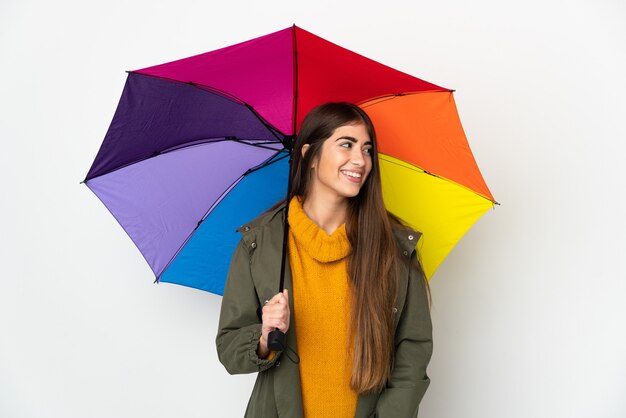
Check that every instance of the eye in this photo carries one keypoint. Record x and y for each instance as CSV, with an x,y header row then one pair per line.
x,y
346,144
368,151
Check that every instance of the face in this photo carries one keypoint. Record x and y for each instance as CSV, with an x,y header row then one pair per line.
x,y
345,161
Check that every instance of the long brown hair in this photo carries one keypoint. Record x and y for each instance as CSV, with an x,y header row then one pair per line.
x,y
373,262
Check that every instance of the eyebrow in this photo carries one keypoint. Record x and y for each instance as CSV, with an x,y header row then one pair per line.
x,y
352,139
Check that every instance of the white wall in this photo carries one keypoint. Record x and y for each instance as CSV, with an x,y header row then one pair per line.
x,y
529,308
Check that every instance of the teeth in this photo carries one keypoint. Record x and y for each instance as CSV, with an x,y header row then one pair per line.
x,y
351,174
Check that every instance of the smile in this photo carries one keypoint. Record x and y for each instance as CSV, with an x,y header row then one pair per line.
x,y
351,175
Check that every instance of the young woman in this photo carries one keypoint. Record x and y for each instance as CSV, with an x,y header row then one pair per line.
x,y
356,303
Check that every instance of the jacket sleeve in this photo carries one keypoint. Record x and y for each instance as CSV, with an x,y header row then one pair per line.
x,y
239,327
414,346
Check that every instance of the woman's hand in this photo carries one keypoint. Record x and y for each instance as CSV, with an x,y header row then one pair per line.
x,y
275,315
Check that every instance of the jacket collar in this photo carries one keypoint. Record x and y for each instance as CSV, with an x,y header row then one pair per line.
x,y
263,219
406,237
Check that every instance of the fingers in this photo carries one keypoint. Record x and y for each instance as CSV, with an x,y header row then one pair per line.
x,y
276,312
277,304
282,297
271,321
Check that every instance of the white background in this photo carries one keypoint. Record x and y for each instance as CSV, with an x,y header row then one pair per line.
x,y
529,309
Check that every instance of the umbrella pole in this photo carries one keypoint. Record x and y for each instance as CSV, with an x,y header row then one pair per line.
x,y
286,227
276,340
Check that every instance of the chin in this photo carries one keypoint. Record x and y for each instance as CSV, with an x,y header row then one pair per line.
x,y
352,193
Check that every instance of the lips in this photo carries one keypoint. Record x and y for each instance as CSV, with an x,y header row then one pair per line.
x,y
353,176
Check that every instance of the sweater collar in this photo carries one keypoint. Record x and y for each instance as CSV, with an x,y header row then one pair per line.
x,y
313,239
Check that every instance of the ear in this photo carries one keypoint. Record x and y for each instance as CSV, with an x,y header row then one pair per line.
x,y
305,147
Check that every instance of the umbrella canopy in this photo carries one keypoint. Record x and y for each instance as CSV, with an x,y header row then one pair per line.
x,y
199,146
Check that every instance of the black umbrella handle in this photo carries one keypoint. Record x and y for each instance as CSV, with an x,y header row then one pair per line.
x,y
276,340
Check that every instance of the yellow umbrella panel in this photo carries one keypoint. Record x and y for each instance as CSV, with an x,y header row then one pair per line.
x,y
430,177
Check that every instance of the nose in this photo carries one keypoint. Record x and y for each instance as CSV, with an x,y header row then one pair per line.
x,y
357,157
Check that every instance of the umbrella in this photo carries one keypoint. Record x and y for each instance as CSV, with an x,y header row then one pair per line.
x,y
200,145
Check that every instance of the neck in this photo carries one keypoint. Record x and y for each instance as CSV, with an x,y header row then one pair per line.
x,y
327,213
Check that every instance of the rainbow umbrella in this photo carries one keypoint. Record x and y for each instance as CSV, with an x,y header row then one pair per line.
x,y
199,146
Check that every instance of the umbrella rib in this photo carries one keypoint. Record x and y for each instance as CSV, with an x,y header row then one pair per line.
x,y
222,139
194,84
269,127
182,245
258,145
192,144
416,168
215,203
266,163
379,99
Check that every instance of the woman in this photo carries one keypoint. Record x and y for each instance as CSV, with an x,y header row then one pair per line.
x,y
355,306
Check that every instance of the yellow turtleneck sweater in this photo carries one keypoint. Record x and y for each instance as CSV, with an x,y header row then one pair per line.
x,y
321,301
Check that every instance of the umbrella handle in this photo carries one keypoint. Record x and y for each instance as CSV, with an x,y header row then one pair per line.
x,y
276,340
